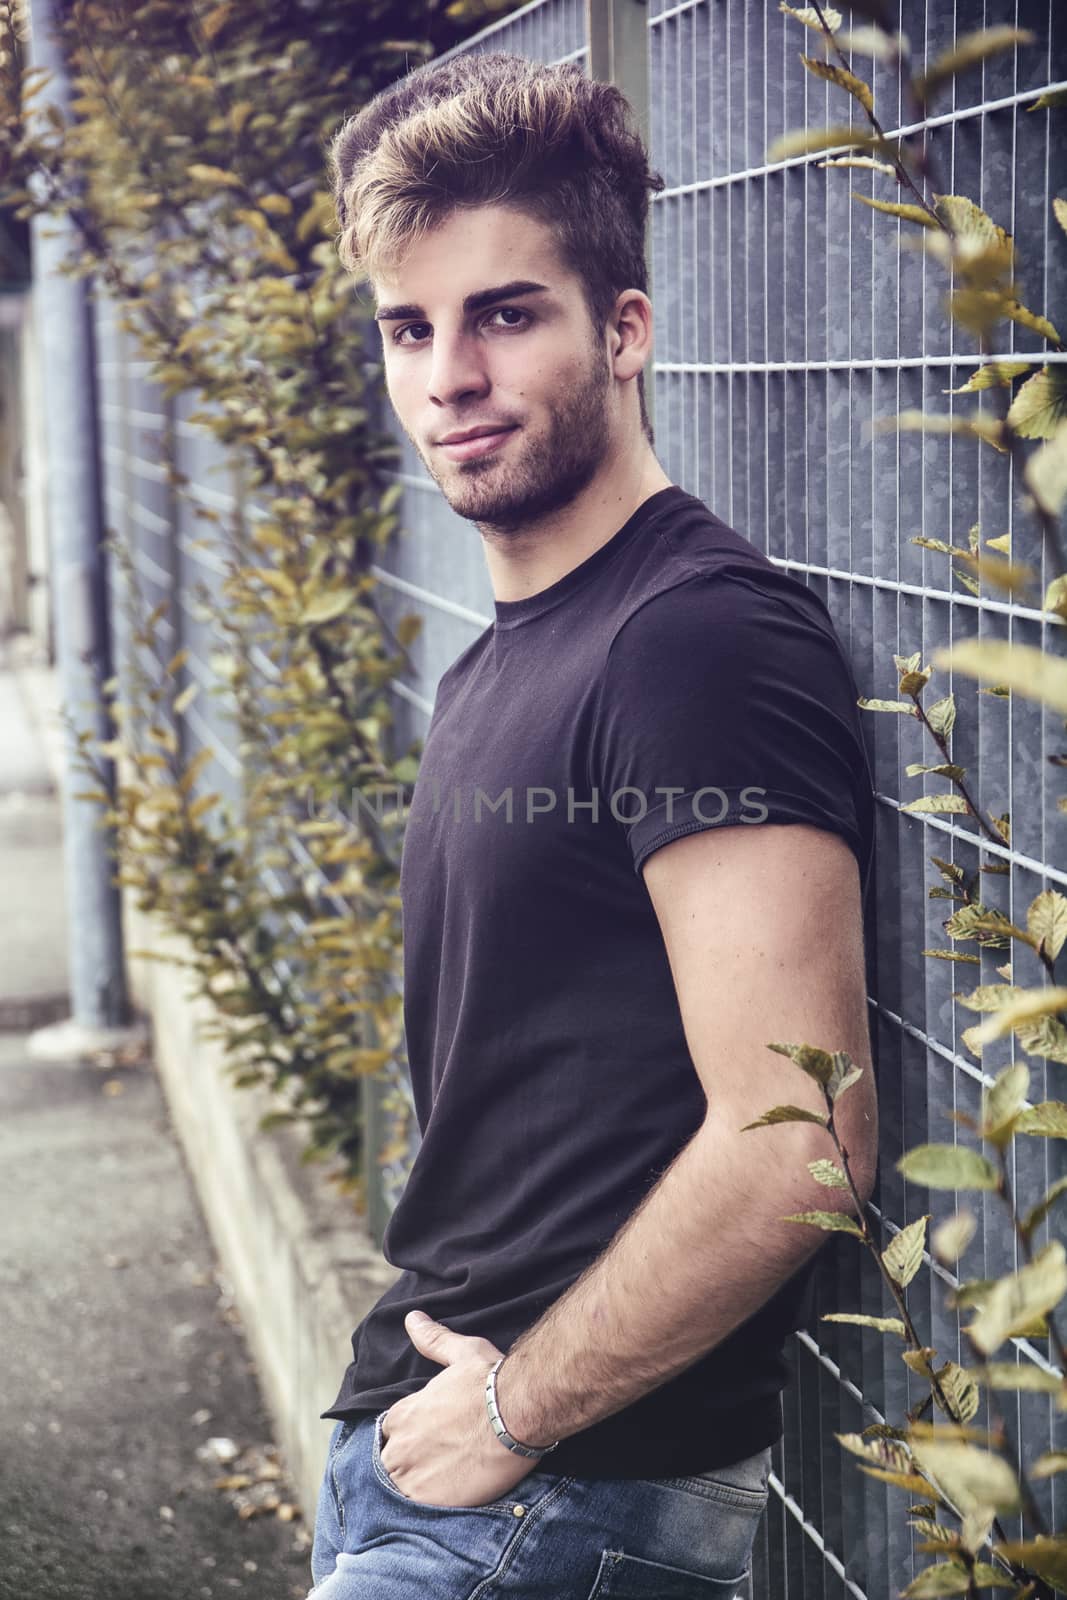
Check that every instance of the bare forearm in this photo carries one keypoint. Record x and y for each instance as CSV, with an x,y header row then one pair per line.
x,y
702,1253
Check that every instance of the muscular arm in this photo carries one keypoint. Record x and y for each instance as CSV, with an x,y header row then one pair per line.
x,y
763,930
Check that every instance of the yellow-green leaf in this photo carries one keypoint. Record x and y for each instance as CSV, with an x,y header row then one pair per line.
x,y
886,705
891,1453
810,17
995,374
942,716
1037,1213
903,1256
868,163
875,42
988,996
910,1481
829,1221
216,177
1048,1119
1048,1464
1023,668
1056,597
1016,1300
939,545
975,426
985,1575
1017,1376
1030,1003
943,1578
843,79
1002,1103
204,804
934,1531
972,1478
818,1064
1049,100
943,770
809,141
879,1324
1046,1037
950,1238
828,1173
895,208
183,701
1040,404
949,801
974,231
1032,320
920,1361
969,50
1045,1555
327,607
1046,472
1046,919
844,1075
960,1390
948,1166
785,1114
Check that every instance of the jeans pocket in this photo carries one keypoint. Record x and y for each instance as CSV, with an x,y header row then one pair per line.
x,y
504,1506
623,1577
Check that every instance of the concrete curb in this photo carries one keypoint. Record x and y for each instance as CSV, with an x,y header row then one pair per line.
x,y
303,1268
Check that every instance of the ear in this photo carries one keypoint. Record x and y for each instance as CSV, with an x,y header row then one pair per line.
x,y
631,326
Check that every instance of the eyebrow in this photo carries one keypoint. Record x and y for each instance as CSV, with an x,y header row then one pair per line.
x,y
474,302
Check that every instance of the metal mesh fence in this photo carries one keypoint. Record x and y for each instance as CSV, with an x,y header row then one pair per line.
x,y
787,315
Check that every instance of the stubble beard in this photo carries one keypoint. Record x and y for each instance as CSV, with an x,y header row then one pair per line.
x,y
548,472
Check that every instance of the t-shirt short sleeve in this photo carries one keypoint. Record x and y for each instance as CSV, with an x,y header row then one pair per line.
x,y
724,703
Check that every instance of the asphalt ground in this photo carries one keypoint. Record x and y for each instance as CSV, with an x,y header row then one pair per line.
x,y
136,1457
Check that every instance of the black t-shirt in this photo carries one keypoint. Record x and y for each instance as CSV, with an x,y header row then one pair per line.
x,y
551,1077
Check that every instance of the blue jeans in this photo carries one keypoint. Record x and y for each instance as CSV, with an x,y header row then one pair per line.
x,y
550,1538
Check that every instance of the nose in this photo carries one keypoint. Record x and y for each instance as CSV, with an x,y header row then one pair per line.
x,y
457,368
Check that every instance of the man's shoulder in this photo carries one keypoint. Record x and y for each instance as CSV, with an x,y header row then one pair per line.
x,y
695,572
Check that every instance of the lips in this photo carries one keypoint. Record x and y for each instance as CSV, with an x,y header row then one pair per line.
x,y
481,444
480,432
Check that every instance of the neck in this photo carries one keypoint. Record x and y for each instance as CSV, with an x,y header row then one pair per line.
x,y
523,563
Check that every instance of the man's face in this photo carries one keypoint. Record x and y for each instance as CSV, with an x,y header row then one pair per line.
x,y
528,363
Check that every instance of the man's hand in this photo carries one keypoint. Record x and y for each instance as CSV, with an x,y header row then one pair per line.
x,y
438,1445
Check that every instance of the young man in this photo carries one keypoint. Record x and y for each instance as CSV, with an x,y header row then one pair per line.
x,y
636,854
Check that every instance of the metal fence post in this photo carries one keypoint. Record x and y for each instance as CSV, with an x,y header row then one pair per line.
x,y
617,31
65,342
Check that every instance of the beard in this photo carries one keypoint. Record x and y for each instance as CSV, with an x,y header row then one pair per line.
x,y
549,472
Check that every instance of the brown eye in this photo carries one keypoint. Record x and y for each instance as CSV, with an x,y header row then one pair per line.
x,y
514,311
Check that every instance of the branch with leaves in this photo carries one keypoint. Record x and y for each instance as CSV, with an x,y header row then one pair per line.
x,y
970,1474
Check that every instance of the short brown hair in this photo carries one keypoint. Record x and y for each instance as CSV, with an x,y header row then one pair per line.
x,y
494,128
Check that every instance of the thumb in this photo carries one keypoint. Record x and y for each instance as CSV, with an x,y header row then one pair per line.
x,y
432,1338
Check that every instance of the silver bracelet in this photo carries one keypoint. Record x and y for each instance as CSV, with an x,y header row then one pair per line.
x,y
497,1420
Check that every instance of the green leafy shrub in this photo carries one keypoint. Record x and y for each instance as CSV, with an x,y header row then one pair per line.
x,y
192,168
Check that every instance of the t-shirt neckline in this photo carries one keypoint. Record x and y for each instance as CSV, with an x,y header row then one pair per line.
x,y
512,613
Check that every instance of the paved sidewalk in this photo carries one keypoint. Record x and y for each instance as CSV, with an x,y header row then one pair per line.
x,y
122,1355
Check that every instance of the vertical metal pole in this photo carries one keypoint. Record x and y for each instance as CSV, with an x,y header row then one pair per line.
x,y
65,343
617,31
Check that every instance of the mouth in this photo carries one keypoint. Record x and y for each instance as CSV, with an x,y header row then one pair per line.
x,y
483,445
